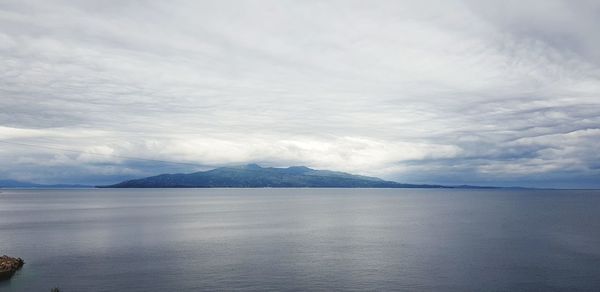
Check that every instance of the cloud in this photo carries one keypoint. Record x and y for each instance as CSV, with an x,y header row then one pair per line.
x,y
452,92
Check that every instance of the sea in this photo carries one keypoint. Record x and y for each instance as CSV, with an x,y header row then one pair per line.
x,y
302,239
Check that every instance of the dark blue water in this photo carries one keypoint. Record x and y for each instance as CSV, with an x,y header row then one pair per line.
x,y
302,239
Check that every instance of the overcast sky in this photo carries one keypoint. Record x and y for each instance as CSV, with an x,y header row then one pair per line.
x,y
453,92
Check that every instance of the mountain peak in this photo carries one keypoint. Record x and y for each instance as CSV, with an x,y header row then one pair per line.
x,y
252,166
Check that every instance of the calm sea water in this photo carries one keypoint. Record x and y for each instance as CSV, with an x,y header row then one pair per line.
x,y
302,239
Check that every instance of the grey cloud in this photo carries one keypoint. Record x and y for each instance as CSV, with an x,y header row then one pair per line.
x,y
560,24
459,91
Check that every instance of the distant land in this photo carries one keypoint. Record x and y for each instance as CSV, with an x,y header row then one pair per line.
x,y
255,176
8,183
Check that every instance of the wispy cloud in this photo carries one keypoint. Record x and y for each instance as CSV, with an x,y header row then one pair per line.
x,y
422,91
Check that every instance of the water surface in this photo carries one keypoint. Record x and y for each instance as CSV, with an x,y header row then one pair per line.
x,y
302,239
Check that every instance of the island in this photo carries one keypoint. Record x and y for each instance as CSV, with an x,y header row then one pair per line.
x,y
255,176
8,266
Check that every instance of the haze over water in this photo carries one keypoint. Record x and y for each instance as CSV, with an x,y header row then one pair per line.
x,y
302,239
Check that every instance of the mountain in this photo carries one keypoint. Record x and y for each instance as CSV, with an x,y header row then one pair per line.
x,y
8,183
255,176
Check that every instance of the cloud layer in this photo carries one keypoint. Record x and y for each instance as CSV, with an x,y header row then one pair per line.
x,y
475,92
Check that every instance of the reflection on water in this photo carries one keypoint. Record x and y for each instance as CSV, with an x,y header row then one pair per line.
x,y
302,239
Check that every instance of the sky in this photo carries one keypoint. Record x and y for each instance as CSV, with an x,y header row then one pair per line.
x,y
450,92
